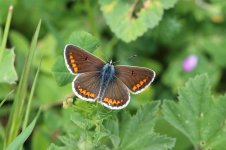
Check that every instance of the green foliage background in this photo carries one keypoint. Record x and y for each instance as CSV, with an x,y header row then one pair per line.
x,y
181,110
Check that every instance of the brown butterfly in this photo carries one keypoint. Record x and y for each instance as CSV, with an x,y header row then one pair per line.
x,y
99,81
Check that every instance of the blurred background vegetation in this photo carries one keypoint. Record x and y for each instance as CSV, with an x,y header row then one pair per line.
x,y
180,40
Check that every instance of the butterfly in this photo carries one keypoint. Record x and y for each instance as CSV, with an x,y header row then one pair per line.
x,y
103,82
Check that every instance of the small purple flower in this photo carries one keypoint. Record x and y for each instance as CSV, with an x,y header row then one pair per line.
x,y
190,63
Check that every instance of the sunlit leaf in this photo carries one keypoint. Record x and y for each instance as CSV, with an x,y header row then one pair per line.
x,y
199,115
84,40
131,19
136,132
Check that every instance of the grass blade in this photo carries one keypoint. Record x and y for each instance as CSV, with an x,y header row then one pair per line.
x,y
30,99
22,137
2,102
16,114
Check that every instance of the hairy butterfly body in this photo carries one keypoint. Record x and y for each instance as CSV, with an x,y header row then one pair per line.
x,y
99,81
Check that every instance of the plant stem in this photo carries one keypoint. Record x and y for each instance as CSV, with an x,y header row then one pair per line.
x,y
6,31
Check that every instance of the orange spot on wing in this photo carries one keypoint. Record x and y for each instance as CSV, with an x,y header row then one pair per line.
x,y
84,92
92,95
71,57
72,61
87,94
141,82
114,101
75,69
134,87
106,100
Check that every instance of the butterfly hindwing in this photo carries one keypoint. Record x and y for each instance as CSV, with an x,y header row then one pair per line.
x,y
80,61
135,78
86,86
116,95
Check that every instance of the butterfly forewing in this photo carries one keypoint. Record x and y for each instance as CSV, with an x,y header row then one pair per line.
x,y
80,61
116,95
135,78
87,85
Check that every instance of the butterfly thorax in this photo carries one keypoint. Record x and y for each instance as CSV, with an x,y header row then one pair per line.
x,y
107,75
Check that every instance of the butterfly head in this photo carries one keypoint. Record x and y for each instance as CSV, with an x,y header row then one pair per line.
x,y
110,62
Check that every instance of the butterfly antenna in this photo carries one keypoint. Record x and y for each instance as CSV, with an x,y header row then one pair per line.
x,y
115,62
133,56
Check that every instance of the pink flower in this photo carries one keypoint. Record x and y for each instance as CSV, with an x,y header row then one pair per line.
x,y
190,63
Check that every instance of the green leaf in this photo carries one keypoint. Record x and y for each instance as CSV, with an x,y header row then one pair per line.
x,y
19,41
47,49
199,115
136,132
182,142
8,73
81,39
84,40
131,19
61,73
22,137
168,3
95,127
48,83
